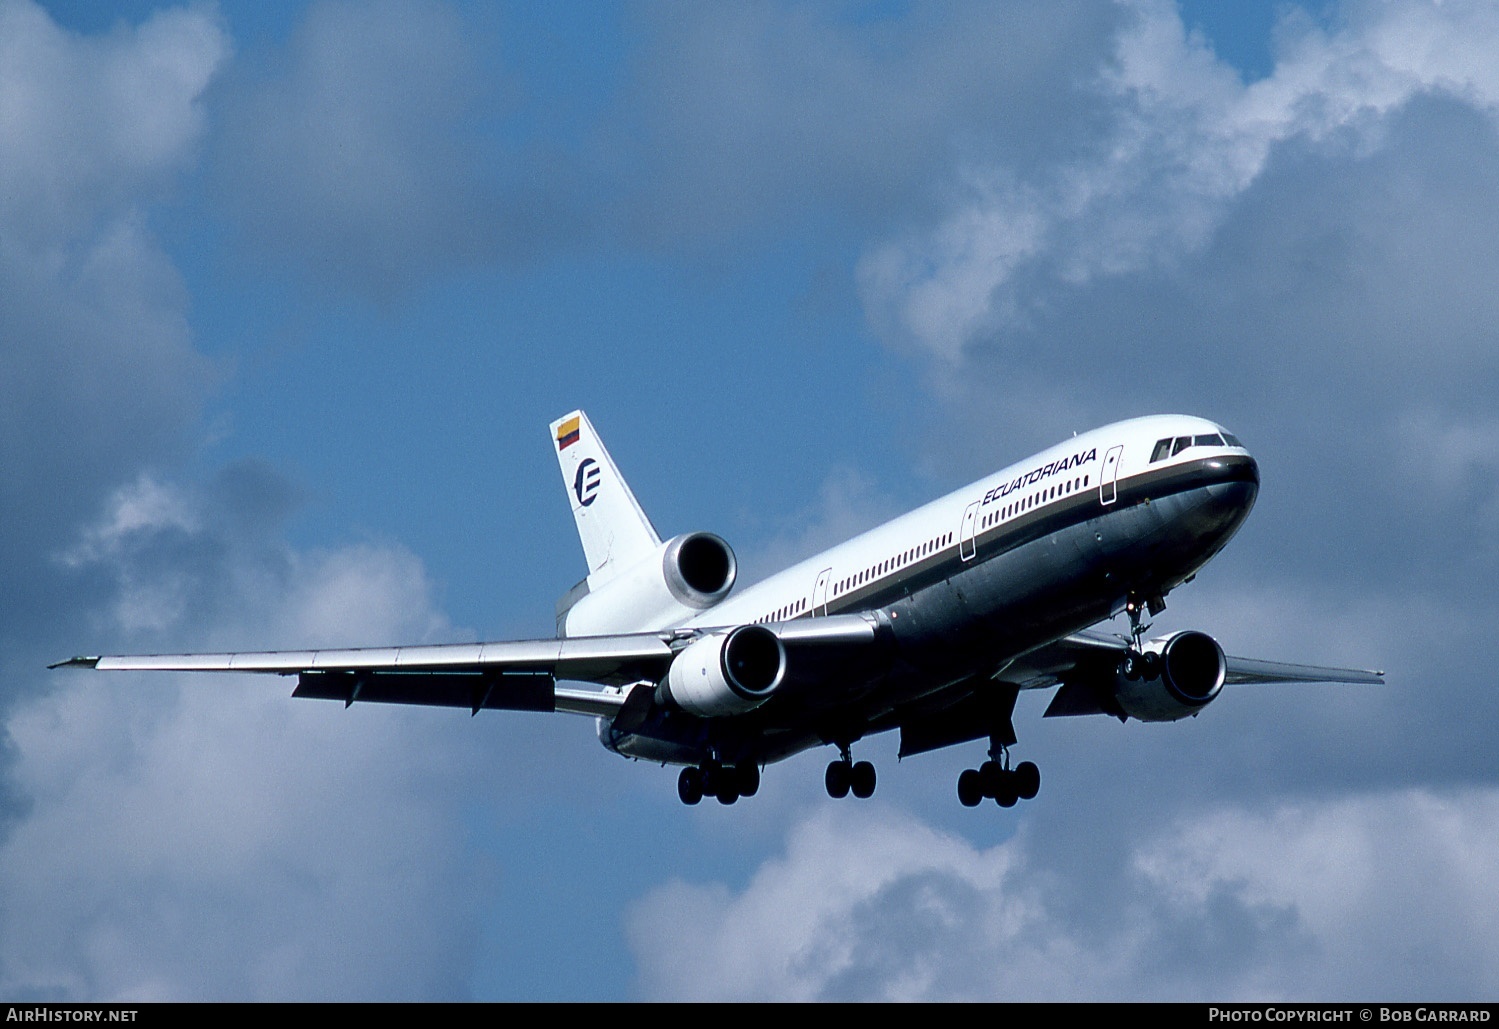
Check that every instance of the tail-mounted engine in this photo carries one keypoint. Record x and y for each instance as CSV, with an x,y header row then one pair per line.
x,y
683,576
727,673
1173,677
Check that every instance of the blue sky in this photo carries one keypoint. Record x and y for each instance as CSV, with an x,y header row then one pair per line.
x,y
289,293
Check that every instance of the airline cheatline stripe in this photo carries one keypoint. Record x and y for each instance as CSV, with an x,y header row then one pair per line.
x,y
567,433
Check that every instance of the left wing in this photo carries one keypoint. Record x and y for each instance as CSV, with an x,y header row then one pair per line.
x,y
516,676
519,675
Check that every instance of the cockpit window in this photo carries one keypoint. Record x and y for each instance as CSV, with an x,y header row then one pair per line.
x,y
1170,447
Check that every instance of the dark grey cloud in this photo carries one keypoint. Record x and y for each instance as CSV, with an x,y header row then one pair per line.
x,y
98,374
375,151
755,117
1378,894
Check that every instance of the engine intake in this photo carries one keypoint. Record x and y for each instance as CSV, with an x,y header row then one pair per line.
x,y
1177,676
727,673
685,575
699,569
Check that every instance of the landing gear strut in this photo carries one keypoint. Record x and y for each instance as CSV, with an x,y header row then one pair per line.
x,y
1137,664
996,780
844,777
726,782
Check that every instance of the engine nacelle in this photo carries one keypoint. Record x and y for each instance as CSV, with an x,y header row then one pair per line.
x,y
728,673
1176,676
685,575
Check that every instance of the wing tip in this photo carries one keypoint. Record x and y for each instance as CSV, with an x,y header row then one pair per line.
x,y
82,661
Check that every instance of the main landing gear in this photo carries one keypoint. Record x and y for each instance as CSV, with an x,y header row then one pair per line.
x,y
997,781
844,777
726,782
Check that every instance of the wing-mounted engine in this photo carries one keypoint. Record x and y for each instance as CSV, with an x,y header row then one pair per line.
x,y
1173,677
727,673
681,577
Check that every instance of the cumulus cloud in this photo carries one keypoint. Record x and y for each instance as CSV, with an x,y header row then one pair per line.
x,y
1381,894
1184,138
202,838
98,375
87,123
210,839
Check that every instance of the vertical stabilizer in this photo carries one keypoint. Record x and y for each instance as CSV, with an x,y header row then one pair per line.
x,y
615,532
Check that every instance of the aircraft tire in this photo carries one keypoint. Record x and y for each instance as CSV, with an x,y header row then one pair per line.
x,y
747,777
690,785
991,774
728,792
1027,780
837,779
1007,795
969,791
862,780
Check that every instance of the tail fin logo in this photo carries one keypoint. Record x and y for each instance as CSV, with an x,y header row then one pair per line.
x,y
586,482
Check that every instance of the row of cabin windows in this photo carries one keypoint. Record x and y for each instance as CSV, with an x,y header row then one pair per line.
x,y
898,561
1171,446
1061,489
843,585
780,614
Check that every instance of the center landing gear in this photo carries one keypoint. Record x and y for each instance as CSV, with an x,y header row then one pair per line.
x,y
726,782
997,781
844,776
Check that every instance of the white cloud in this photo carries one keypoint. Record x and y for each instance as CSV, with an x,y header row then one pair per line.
x,y
86,123
97,374
1383,894
1184,138
198,838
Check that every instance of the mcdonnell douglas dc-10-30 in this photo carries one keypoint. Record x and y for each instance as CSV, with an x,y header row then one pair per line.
x,y
931,624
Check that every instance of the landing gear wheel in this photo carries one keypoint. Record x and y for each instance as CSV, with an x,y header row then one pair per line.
x,y
990,774
1027,780
969,790
1130,667
1006,795
747,775
861,780
690,785
837,779
728,790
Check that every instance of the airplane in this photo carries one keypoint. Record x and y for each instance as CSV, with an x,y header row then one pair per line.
x,y
930,625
